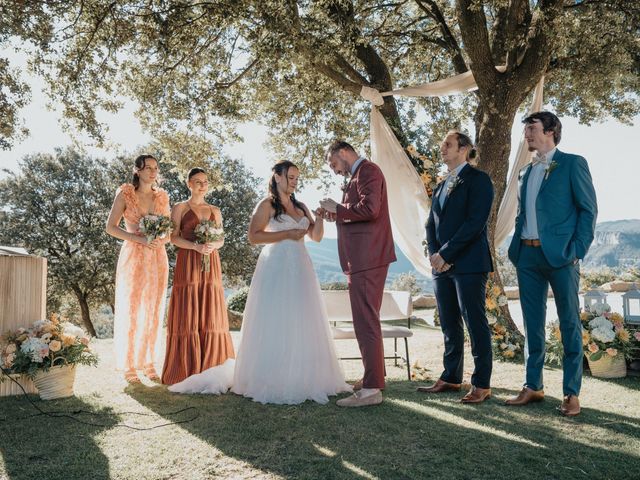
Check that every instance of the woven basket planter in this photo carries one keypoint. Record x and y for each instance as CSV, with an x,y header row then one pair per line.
x,y
608,367
56,383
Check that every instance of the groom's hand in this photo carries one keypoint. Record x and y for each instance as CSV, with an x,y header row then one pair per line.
x,y
437,262
329,205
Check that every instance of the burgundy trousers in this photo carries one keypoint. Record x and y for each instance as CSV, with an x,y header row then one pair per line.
x,y
365,294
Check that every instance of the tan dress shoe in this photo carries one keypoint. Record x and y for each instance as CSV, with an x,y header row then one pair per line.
x,y
476,395
357,400
526,395
439,387
570,406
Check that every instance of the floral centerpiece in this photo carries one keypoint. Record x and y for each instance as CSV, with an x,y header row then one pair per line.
x,y
35,351
155,226
605,339
208,231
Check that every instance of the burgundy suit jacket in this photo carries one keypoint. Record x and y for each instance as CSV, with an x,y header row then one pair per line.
x,y
364,229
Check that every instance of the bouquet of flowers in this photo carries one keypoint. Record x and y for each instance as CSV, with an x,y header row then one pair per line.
x,y
155,226
208,231
604,333
46,343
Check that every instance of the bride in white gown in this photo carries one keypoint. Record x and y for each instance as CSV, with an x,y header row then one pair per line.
x,y
286,353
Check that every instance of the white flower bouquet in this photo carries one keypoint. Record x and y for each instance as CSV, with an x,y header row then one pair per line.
x,y
208,231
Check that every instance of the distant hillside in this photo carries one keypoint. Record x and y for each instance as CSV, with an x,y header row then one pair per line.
x,y
616,244
325,260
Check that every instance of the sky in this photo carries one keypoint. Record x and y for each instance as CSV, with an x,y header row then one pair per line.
x,y
611,149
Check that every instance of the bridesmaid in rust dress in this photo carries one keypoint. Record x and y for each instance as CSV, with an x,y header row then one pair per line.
x,y
197,326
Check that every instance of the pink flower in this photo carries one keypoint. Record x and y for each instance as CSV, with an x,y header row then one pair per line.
x,y
84,341
612,352
593,348
637,336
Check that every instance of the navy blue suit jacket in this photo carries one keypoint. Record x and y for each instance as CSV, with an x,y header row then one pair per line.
x,y
458,230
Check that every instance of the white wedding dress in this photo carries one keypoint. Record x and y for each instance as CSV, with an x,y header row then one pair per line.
x,y
286,353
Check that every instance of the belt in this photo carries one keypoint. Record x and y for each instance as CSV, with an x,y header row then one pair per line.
x,y
530,243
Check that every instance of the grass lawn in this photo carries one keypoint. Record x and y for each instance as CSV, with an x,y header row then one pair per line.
x,y
410,435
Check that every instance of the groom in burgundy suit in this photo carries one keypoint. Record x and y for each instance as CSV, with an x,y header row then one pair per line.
x,y
365,247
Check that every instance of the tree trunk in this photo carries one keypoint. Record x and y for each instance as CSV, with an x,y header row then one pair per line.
x,y
84,310
494,145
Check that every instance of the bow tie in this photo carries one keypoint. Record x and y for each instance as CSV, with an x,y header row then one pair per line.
x,y
539,159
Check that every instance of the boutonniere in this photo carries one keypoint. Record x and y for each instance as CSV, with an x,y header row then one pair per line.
x,y
453,183
550,168
344,185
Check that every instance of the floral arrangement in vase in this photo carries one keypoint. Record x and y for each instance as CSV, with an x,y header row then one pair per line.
x,y
47,343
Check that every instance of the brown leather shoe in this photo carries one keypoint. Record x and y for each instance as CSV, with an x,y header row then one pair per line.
x,y
526,395
357,385
439,387
570,406
476,395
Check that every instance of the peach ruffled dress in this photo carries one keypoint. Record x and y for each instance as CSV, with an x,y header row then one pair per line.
x,y
141,288
197,325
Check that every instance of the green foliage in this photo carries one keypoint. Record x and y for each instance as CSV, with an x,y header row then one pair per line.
x,y
335,286
238,300
596,278
56,207
406,282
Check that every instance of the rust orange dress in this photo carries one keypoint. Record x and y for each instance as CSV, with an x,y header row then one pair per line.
x,y
197,326
141,289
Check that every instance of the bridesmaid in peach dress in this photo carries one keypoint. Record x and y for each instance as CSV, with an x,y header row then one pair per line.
x,y
141,274
197,326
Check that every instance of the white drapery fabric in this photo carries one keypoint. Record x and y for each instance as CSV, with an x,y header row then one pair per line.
x,y
408,201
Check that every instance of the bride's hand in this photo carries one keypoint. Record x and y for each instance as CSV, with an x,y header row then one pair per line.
x,y
296,234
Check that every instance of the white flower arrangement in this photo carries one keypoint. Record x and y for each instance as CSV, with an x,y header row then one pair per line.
x,y
603,334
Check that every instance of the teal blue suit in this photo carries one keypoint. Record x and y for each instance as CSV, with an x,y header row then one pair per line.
x,y
566,211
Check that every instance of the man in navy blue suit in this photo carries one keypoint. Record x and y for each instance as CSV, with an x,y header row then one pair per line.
x,y
461,260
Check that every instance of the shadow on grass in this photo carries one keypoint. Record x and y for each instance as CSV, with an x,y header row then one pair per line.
x,y
37,446
411,435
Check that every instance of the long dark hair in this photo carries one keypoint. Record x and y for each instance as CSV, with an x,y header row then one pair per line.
x,y
281,168
140,163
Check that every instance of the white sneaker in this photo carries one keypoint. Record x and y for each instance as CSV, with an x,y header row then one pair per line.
x,y
357,400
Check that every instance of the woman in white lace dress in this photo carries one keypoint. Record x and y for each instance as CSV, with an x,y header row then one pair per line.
x,y
286,354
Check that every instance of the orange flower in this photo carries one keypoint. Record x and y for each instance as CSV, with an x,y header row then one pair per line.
x,y
623,335
491,303
612,352
593,348
556,333
616,317
55,345
509,353
585,337
499,329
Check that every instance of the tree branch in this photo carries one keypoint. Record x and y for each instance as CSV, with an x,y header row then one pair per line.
x,y
431,8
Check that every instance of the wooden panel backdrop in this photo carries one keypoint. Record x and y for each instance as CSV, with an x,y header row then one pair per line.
x,y
23,297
